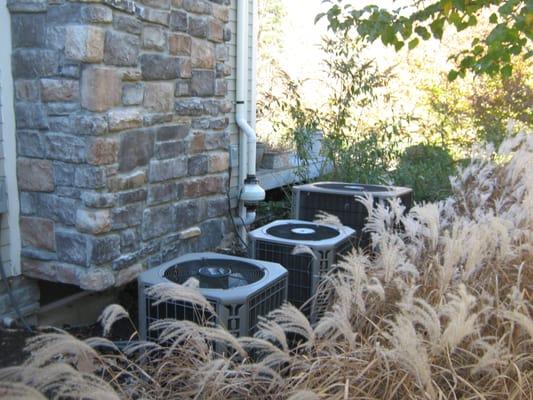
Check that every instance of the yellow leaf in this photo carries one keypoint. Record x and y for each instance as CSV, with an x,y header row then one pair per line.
x,y
447,6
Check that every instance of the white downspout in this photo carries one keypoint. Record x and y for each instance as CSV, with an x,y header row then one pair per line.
x,y
250,192
242,84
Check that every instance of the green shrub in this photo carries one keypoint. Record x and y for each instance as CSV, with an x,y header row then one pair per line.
x,y
426,169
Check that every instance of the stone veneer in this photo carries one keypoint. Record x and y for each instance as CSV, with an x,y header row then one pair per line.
x,y
122,111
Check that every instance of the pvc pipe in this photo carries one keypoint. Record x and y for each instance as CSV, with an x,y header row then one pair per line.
x,y
248,140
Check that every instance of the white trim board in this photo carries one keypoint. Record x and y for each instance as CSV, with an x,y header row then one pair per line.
x,y
9,140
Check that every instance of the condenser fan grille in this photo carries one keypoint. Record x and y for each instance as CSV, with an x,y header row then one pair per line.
x,y
308,232
355,187
215,273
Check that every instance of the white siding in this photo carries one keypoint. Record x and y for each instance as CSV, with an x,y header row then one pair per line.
x,y
9,232
233,130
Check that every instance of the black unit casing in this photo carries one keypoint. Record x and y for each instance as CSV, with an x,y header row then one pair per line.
x,y
338,199
238,309
305,271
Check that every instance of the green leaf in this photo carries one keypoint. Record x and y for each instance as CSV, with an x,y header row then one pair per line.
x,y
319,17
413,43
507,71
493,18
437,28
388,36
398,45
452,75
422,32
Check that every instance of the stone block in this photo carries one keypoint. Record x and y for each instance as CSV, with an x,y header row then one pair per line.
x,y
121,49
103,249
71,71
136,149
61,108
103,151
194,107
127,216
221,87
178,21
162,170
34,63
28,30
151,15
189,213
84,43
202,54
164,192
197,6
179,45
96,280
81,124
159,67
157,118
197,143
132,94
93,221
89,177
132,196
172,149
122,119
50,206
222,52
127,24
221,12
218,162
129,240
96,14
63,14
71,247
172,132
126,182
183,88
203,83
227,33
98,199
217,206
190,233
158,221
55,39
59,90
101,88
223,70
197,165
64,173
27,6
26,89
30,116
38,233
159,96
154,38
163,4
200,187
38,254
63,147
128,274
198,26
216,140
35,175
25,291
215,31
30,144
212,234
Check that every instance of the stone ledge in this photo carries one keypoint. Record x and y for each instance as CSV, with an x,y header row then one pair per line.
x,y
27,6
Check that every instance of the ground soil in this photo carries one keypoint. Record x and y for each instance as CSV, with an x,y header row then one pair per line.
x,y
13,340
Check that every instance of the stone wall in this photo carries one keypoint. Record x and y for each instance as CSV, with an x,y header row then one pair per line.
x,y
122,111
